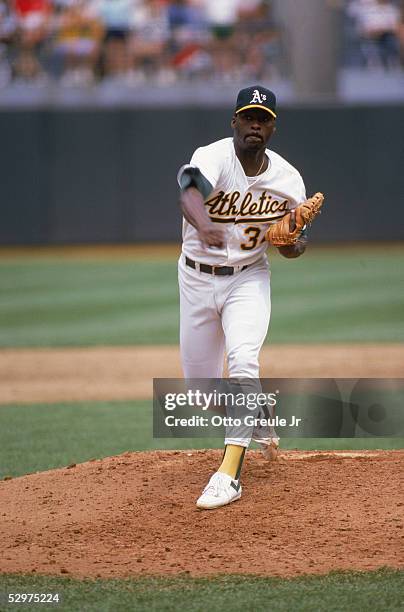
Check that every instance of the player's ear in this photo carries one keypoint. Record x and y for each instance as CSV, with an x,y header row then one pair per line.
x,y
233,121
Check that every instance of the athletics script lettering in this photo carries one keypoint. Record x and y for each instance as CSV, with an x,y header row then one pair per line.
x,y
227,207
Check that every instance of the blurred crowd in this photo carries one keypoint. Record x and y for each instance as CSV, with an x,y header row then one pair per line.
x,y
377,28
80,42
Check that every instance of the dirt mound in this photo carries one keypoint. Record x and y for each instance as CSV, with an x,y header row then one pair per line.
x,y
135,514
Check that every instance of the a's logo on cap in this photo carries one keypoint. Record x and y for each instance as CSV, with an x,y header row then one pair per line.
x,y
257,97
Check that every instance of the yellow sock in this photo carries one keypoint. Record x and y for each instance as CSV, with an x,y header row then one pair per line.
x,y
232,460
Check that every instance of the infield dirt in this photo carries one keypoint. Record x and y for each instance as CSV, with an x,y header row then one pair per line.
x,y
135,514
119,373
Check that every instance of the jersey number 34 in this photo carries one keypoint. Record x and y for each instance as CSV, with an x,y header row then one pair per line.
x,y
253,234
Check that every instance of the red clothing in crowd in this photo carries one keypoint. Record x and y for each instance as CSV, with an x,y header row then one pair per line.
x,y
24,7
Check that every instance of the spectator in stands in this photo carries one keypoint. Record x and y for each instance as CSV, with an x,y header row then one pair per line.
x,y
78,39
400,33
33,19
257,39
189,39
8,28
150,42
377,23
222,19
181,14
117,18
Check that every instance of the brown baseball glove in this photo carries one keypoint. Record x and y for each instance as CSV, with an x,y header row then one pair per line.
x,y
288,230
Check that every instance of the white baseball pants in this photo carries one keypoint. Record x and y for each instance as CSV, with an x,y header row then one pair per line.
x,y
221,314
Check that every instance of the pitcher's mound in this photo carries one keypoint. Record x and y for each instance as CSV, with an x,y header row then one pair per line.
x,y
135,514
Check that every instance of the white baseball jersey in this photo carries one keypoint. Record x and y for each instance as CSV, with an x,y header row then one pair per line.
x,y
244,206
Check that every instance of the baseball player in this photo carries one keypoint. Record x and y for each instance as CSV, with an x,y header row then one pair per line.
x,y
237,196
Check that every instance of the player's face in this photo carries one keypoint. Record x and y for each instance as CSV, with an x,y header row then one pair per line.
x,y
252,128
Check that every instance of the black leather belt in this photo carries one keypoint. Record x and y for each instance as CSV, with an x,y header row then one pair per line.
x,y
215,270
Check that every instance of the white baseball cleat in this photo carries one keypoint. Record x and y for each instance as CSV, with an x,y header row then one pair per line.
x,y
221,489
269,448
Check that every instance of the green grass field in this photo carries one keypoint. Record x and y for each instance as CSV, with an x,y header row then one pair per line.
x,y
336,294
380,591
329,295
43,436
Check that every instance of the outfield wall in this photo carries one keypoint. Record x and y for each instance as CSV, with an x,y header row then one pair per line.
x,y
110,176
